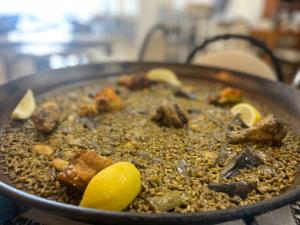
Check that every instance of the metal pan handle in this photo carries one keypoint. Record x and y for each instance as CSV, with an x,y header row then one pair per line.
x,y
255,42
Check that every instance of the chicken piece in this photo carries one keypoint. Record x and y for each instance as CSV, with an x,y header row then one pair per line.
x,y
227,96
107,100
170,115
267,130
88,110
46,118
135,82
82,167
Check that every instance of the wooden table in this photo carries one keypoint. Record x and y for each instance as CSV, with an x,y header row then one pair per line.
x,y
273,37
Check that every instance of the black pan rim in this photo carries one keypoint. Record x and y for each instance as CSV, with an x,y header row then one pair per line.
x,y
148,63
208,216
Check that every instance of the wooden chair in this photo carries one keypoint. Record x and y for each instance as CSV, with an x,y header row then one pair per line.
x,y
237,60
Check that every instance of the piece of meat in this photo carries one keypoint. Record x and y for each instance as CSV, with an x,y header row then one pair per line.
x,y
169,114
47,117
105,100
227,96
268,130
135,82
82,167
240,189
88,110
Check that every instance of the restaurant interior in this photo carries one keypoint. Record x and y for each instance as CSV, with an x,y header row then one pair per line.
x,y
258,38
36,36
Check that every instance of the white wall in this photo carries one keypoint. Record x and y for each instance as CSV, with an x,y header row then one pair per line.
x,y
147,17
251,10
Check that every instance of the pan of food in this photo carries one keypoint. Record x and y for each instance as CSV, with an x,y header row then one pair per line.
x,y
150,143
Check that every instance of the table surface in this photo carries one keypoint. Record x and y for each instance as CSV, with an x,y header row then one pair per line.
x,y
282,216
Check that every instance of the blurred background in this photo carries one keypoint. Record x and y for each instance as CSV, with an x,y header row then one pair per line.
x,y
39,35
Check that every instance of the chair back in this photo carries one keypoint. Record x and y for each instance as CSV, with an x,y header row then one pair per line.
x,y
237,60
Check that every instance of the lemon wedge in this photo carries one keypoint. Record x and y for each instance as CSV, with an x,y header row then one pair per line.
x,y
248,114
26,107
163,75
113,188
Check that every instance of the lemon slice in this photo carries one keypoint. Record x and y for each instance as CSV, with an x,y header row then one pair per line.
x,y
113,188
26,107
248,114
163,75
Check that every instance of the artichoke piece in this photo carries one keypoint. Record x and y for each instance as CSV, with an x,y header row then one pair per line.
x,y
166,202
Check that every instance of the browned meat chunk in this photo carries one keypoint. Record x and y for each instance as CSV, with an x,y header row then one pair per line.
x,y
82,167
267,130
46,118
135,82
105,100
168,114
227,96
88,110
